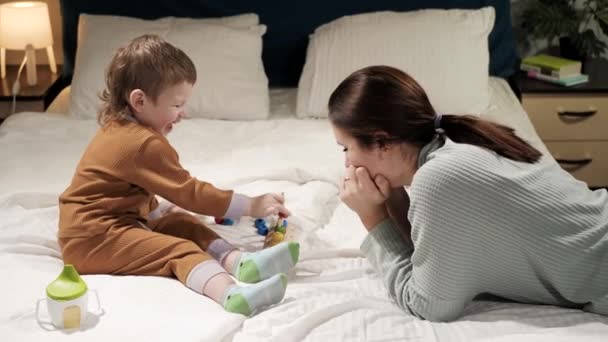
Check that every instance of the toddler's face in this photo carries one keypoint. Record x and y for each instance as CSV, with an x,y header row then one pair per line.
x,y
168,108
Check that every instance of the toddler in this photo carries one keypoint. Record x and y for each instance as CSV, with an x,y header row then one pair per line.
x,y
110,219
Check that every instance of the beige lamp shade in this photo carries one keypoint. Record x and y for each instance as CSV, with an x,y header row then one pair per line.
x,y
23,23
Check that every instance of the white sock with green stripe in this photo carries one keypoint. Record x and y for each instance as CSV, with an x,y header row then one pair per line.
x,y
254,267
249,299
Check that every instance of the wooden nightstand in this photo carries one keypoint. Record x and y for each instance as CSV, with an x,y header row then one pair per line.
x,y
573,121
30,98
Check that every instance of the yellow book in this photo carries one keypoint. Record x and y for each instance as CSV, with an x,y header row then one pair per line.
x,y
551,65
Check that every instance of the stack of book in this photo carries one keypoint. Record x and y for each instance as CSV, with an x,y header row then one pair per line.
x,y
553,69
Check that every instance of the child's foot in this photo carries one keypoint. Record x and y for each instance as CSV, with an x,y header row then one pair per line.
x,y
253,267
249,299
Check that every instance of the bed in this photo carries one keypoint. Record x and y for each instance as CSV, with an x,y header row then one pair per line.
x,y
333,294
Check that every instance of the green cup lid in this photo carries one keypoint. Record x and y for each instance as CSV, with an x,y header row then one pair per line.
x,y
67,286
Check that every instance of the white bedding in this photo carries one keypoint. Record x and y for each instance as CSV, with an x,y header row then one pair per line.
x,y
333,294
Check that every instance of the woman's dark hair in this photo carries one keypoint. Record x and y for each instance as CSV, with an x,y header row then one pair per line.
x,y
382,104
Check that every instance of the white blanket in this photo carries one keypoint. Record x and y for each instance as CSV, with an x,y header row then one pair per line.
x,y
333,294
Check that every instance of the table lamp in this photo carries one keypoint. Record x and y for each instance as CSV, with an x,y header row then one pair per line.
x,y
25,25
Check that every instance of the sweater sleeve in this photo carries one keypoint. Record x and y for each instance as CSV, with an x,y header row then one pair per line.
x,y
157,169
392,257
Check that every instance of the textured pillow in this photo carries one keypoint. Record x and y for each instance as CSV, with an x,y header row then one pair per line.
x,y
231,83
446,51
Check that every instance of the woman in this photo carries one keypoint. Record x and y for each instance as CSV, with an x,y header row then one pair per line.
x,y
486,214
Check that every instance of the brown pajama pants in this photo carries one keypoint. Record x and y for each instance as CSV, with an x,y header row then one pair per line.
x,y
173,246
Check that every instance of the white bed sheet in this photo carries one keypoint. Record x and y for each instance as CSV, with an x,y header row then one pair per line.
x,y
333,293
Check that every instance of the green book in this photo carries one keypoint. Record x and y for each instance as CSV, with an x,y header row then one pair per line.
x,y
566,81
551,65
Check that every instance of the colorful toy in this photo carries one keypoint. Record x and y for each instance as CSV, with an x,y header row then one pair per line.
x,y
277,233
261,226
259,223
224,221
281,226
273,238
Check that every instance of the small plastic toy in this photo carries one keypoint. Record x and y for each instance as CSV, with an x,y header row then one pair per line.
x,y
281,226
277,233
261,226
273,238
224,221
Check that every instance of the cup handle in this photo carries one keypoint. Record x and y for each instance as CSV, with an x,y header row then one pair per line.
x,y
46,325
100,311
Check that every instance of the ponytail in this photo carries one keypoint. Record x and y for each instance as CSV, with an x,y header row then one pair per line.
x,y
468,129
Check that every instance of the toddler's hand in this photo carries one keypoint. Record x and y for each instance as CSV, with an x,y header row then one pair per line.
x,y
268,204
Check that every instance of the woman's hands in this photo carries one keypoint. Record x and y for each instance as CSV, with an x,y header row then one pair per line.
x,y
365,196
398,206
268,204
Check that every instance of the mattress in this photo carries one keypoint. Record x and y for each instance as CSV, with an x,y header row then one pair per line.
x,y
333,293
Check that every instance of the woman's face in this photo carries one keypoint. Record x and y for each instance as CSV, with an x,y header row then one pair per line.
x,y
396,162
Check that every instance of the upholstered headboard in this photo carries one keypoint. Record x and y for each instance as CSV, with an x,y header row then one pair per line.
x,y
289,25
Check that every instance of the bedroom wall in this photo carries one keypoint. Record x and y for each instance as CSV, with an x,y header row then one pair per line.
x,y
525,46
15,57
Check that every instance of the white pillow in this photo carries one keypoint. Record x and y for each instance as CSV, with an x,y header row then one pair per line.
x,y
446,51
227,52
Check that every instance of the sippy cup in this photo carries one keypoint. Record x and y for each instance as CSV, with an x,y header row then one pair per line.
x,y
67,300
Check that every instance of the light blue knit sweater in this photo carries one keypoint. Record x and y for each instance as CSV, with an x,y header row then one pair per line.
x,y
482,223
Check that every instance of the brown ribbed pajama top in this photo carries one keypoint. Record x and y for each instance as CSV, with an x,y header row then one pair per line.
x,y
104,224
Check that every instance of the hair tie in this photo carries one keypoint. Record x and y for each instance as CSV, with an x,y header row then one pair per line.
x,y
438,121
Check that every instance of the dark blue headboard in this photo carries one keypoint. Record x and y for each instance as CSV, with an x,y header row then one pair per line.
x,y
289,24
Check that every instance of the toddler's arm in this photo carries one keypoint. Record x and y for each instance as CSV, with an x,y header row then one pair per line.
x,y
157,169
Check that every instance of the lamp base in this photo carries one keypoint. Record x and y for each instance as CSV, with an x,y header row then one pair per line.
x,y
51,55
32,78
2,62
30,66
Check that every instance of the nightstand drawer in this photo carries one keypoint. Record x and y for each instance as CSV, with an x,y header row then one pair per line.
x,y
568,116
587,161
